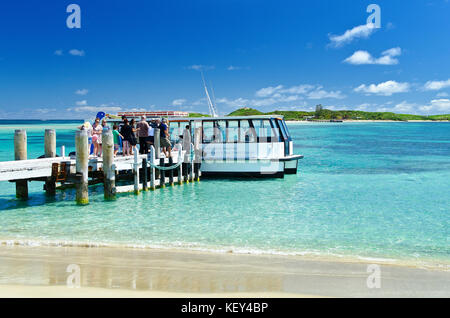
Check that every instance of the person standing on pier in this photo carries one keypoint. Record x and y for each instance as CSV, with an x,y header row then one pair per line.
x,y
100,143
117,137
151,135
133,140
143,130
165,138
97,137
126,132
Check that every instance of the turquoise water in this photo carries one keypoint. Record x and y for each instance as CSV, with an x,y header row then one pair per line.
x,y
370,190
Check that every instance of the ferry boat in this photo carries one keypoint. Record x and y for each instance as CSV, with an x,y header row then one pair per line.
x,y
258,146
241,146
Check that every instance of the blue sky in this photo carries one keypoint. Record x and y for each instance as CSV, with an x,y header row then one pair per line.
x,y
285,55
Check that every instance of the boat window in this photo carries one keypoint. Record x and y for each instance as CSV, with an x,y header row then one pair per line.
x,y
285,127
246,132
282,129
275,131
208,131
219,131
263,130
232,131
174,131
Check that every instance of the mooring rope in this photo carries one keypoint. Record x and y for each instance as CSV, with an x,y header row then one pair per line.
x,y
165,168
191,159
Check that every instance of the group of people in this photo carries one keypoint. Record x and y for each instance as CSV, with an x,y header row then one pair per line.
x,y
129,132
95,134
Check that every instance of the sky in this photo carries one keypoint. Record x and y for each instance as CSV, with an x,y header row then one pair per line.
x,y
264,54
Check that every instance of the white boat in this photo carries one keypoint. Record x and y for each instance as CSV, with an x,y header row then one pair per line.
x,y
241,146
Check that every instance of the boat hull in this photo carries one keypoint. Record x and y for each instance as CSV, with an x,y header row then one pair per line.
x,y
265,168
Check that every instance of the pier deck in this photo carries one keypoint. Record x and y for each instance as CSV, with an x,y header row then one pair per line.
x,y
144,172
42,168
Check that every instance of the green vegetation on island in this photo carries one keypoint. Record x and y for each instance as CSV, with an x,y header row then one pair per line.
x,y
198,115
326,114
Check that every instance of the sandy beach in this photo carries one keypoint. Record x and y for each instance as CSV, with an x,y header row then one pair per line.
x,y
126,272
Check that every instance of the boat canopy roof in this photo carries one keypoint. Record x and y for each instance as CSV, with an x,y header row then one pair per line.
x,y
184,119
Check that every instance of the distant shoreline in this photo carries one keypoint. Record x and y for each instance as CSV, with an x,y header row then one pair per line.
x,y
364,121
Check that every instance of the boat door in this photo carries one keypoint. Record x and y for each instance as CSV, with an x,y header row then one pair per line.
x,y
284,133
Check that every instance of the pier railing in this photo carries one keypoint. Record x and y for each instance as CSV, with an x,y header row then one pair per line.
x,y
146,171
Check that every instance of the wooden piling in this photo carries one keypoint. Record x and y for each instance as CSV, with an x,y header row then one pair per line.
x,y
50,143
20,153
191,171
162,174
198,153
187,155
180,168
186,172
82,160
136,171
152,170
171,172
50,152
145,175
109,171
157,142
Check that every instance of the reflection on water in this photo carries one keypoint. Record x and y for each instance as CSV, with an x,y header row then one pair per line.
x,y
133,269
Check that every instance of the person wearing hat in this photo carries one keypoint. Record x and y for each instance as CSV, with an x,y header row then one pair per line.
x,y
165,137
143,133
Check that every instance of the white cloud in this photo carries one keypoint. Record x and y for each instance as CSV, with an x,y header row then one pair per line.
x,y
199,67
81,103
320,94
404,107
363,57
386,88
58,52
395,51
437,106
443,94
238,102
76,52
233,68
94,109
299,89
267,91
436,85
45,110
361,31
310,91
364,106
82,91
178,102
390,26
280,96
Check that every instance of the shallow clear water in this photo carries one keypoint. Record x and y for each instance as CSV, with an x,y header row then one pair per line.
x,y
375,190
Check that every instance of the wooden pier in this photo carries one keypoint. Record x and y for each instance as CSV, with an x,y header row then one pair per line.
x,y
134,173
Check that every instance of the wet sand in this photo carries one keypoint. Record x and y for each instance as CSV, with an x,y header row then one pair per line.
x,y
126,272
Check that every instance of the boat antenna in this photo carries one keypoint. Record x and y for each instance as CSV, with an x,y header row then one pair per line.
x,y
212,108
213,95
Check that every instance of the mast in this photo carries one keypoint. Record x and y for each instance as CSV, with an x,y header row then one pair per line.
x,y
211,106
